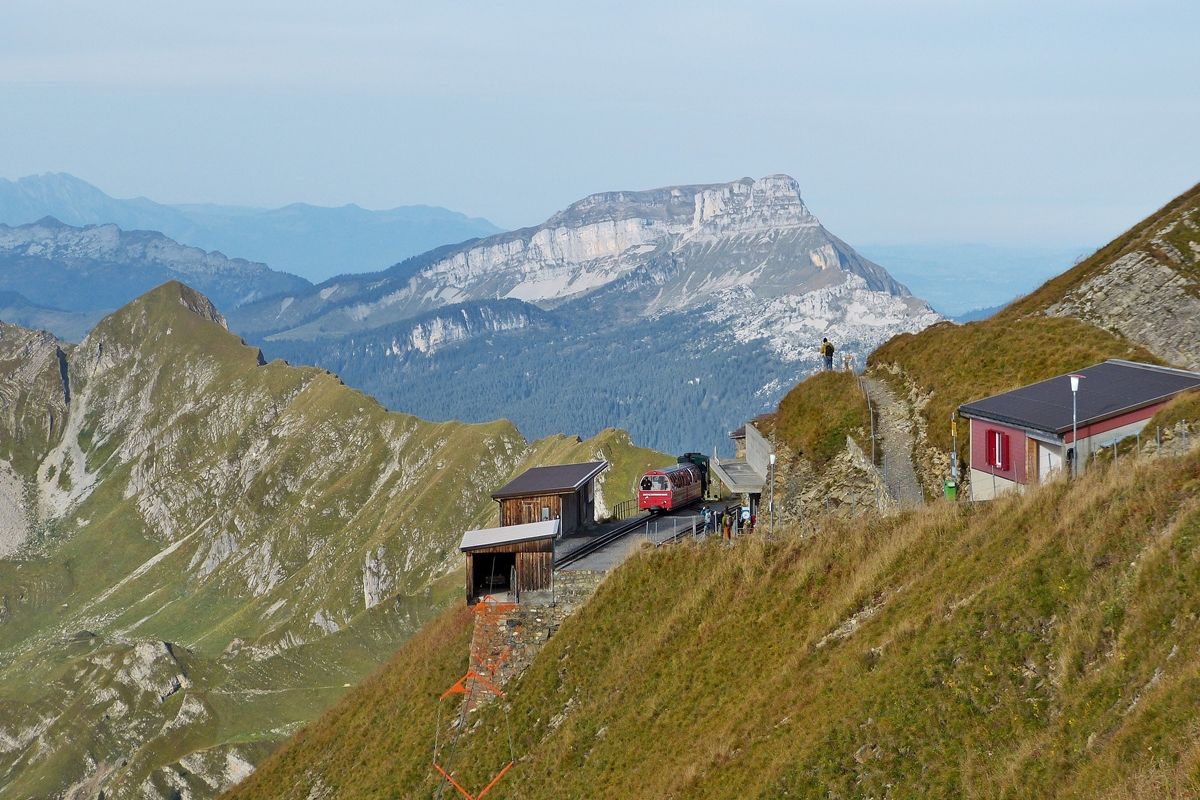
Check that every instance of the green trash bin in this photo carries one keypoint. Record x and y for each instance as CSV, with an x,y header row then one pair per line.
x,y
951,490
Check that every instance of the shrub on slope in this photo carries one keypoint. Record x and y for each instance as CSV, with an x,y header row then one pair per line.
x,y
1041,645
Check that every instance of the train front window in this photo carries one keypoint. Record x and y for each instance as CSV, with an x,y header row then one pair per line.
x,y
660,483
646,485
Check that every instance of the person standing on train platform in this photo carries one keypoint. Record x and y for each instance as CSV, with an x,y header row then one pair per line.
x,y
707,515
827,352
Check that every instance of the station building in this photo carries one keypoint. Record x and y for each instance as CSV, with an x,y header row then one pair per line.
x,y
536,508
1024,436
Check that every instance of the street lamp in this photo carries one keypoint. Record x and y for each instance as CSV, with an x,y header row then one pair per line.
x,y
771,504
1075,425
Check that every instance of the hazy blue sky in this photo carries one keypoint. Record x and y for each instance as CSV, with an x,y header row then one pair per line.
x,y
1006,123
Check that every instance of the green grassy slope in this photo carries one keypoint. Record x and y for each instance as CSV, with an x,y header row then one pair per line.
x,y
283,532
955,364
1043,645
815,417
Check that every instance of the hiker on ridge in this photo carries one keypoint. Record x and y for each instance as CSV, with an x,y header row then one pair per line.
x,y
827,351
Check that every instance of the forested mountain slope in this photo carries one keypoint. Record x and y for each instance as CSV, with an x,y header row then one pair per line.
x,y
675,313
1044,645
202,549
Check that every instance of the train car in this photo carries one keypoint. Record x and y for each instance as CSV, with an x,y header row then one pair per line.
x,y
670,487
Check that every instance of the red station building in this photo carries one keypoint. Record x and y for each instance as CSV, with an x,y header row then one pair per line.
x,y
1024,436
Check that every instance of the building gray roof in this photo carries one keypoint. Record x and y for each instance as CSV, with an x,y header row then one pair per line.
x,y
1107,390
558,479
509,534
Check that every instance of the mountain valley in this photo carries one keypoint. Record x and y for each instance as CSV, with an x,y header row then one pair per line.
x,y
203,551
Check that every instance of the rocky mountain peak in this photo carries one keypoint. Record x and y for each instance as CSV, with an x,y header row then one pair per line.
x,y
749,206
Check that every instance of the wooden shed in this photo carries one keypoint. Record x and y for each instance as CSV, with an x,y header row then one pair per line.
x,y
496,557
564,492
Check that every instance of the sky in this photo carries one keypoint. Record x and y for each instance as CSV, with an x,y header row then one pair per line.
x,y
1011,124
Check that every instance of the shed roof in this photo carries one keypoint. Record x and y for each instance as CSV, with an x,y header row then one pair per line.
x,y
558,479
509,534
1107,390
738,476
740,433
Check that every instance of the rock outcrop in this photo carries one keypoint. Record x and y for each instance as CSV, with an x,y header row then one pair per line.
x,y
1144,286
748,253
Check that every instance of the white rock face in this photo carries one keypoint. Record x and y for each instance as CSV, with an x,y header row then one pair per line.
x,y
745,252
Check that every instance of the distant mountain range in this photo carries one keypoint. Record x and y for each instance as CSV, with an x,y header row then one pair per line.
x,y
101,267
310,241
70,326
674,312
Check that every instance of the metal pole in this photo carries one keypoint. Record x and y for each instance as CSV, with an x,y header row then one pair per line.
x,y
871,414
1075,431
954,439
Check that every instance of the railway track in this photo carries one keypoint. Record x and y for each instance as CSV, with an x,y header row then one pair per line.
x,y
600,542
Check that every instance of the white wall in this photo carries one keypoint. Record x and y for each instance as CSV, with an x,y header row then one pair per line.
x,y
981,485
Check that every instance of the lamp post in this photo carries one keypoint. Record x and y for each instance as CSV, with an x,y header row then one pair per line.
x,y
1075,425
771,504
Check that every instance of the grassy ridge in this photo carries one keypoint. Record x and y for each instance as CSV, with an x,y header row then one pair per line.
x,y
815,417
239,511
1043,645
1185,206
961,363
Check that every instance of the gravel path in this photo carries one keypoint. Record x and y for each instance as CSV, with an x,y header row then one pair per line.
x,y
894,430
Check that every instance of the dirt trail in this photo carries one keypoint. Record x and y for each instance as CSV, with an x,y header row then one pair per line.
x,y
894,429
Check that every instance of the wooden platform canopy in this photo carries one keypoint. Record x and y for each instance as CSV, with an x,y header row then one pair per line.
x,y
496,557
564,492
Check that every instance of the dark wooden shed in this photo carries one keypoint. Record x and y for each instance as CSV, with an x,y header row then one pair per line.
x,y
564,492
496,557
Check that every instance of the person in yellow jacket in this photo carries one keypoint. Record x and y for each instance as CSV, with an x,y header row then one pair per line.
x,y
827,352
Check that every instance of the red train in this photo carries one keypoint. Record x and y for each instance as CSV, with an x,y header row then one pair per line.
x,y
671,487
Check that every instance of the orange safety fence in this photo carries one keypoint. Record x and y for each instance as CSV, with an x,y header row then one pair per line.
x,y
460,687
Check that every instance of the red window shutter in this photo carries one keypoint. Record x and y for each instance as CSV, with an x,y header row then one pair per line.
x,y
997,450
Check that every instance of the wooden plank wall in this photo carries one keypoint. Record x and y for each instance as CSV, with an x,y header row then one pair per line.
x,y
521,510
533,571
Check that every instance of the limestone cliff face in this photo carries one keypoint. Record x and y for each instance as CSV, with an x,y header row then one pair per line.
x,y
1148,290
747,254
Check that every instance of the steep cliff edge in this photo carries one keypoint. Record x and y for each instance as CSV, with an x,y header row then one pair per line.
x,y
748,253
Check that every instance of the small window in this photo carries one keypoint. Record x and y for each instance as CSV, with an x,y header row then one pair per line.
x,y
997,450
545,513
